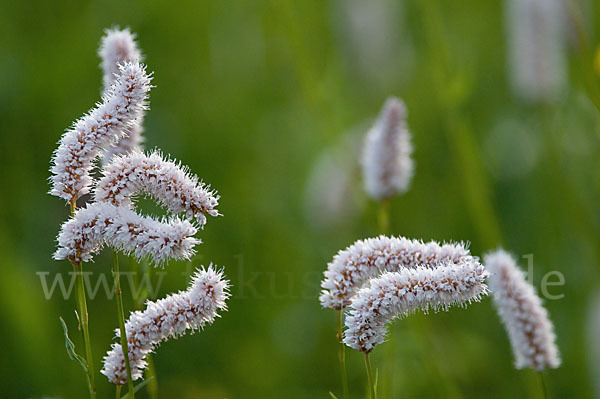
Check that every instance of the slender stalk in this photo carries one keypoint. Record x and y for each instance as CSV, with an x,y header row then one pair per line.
x,y
383,221
342,356
370,377
83,319
118,392
118,295
543,385
383,216
138,301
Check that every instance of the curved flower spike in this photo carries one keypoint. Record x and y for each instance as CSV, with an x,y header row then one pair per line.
x,y
530,330
102,127
387,164
364,259
404,292
121,228
118,47
168,182
167,318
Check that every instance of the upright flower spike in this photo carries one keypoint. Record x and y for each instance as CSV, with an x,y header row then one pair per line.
x,y
119,47
536,48
352,267
169,183
100,128
399,294
167,318
101,224
387,164
530,331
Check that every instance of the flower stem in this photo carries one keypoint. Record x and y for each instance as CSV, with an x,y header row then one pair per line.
x,y
370,377
138,301
118,392
543,385
83,319
121,315
383,216
342,356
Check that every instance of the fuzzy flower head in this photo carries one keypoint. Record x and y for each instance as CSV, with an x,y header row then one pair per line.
x,y
164,319
99,129
119,47
164,180
101,224
536,48
530,331
401,293
387,164
352,267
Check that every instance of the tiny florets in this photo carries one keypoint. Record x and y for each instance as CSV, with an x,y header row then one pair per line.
x,y
401,293
355,265
99,129
529,328
101,224
387,164
164,319
118,47
168,182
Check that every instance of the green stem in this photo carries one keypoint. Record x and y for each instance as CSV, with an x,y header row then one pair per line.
x,y
116,276
342,355
138,301
383,216
83,319
543,385
370,377
118,392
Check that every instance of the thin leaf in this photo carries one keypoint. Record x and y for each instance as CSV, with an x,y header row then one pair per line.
x,y
71,348
138,386
332,395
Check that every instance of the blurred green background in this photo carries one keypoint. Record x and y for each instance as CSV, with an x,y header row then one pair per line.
x,y
264,100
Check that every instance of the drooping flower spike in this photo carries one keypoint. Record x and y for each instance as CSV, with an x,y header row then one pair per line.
x,y
398,294
101,224
352,267
387,164
529,328
119,47
100,128
167,318
166,181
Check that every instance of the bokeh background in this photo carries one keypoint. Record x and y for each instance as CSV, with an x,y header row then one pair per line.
x,y
268,102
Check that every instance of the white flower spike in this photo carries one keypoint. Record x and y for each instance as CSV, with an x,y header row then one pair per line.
x,y
530,331
387,164
101,224
119,47
352,267
399,294
167,318
166,181
79,146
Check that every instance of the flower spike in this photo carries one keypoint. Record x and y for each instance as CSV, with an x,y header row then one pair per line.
x,y
529,328
387,164
399,294
101,224
352,267
167,318
118,47
100,128
167,181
